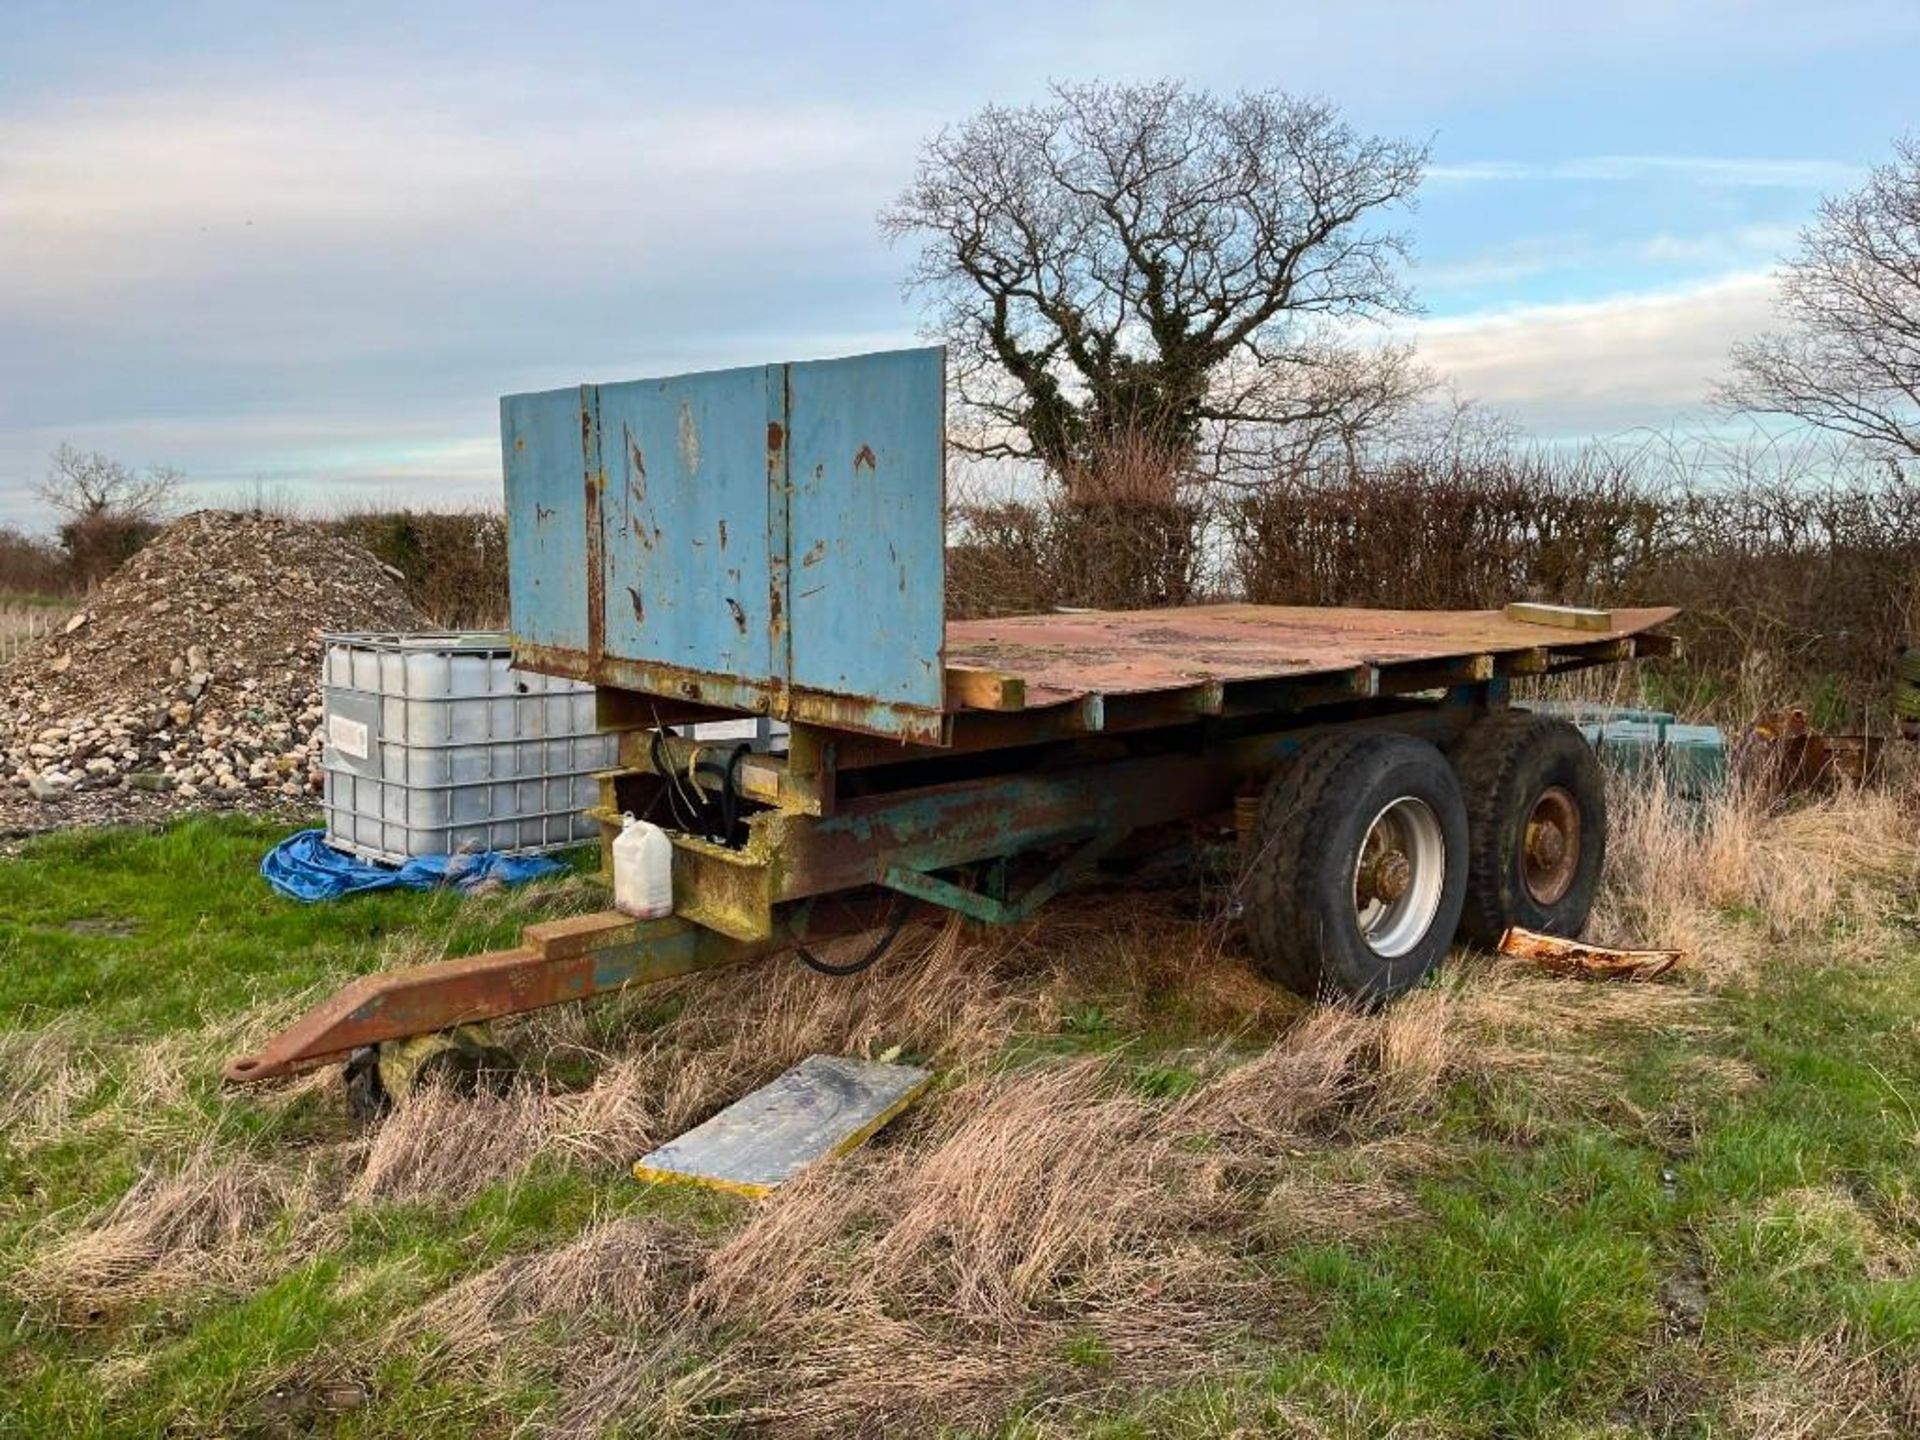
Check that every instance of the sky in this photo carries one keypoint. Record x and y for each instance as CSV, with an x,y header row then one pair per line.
x,y
298,251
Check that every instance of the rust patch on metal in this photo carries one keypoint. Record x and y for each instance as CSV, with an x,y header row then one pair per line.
x,y
748,697
1117,652
776,437
636,490
639,605
1782,754
815,554
553,966
723,534
639,463
595,483
863,459
739,615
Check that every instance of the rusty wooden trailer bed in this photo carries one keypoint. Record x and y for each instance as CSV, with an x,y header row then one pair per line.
x,y
771,542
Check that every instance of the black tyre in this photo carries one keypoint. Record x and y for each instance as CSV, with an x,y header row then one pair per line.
x,y
367,1099
1359,867
1536,825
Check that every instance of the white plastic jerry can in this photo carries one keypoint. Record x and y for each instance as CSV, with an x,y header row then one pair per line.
x,y
642,869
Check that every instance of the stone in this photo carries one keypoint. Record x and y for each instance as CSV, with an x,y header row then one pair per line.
x,y
44,789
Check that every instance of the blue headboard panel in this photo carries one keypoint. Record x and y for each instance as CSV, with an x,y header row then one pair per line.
x,y
769,539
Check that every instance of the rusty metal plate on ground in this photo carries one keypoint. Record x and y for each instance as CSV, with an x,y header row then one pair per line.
x,y
826,1105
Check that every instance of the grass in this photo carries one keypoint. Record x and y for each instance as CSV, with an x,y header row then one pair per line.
x,y
157,931
26,620
1149,1195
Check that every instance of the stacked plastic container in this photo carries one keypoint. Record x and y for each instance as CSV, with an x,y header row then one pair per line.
x,y
1692,757
436,744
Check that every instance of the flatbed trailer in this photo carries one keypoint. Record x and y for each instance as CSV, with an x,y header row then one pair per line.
x,y
771,542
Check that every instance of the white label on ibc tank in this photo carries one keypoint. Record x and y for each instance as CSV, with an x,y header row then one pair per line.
x,y
349,737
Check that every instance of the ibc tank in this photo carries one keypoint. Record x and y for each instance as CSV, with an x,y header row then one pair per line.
x,y
434,743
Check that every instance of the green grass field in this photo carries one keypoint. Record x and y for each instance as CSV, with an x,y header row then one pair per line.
x,y
1150,1195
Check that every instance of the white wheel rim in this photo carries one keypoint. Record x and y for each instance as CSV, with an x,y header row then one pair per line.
x,y
1393,924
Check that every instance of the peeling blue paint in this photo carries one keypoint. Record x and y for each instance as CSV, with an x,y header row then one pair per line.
x,y
832,469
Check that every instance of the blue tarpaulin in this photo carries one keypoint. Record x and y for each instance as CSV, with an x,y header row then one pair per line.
x,y
305,867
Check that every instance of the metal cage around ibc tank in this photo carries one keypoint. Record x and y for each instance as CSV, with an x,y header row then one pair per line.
x,y
436,743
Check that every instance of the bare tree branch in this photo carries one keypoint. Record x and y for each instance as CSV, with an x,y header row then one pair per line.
x,y
1143,262
83,485
1848,357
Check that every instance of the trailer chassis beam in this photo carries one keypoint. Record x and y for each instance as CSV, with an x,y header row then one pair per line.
x,y
557,962
737,905
996,908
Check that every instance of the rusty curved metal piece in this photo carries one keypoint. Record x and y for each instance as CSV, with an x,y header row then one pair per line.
x,y
1561,956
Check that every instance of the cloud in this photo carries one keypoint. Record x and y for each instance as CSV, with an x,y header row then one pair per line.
x,y
1722,250
317,255
1602,366
1722,171
313,281
154,190
435,449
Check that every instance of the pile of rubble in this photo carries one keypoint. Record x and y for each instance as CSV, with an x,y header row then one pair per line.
x,y
193,672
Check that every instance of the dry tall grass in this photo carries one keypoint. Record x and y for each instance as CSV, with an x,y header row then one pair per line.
x,y
200,1223
25,627
1721,880
1829,1388
1029,1214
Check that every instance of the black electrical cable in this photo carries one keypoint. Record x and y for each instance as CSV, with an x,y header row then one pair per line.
x,y
691,809
729,777
903,911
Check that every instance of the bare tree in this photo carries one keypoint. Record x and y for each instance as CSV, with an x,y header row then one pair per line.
x,y
80,486
107,510
1129,264
1848,359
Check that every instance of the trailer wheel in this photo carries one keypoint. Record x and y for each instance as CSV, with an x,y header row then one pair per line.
x,y
1359,867
1536,825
